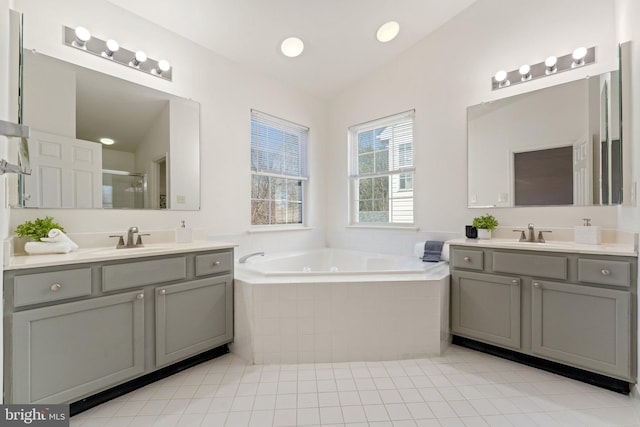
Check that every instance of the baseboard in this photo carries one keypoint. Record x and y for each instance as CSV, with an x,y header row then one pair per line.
x,y
136,383
613,384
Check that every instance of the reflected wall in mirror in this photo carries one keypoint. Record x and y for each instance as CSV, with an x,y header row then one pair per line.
x,y
555,146
153,162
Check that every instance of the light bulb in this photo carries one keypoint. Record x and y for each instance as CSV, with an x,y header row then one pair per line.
x,y
525,72
139,58
164,65
550,63
501,78
112,47
107,141
578,56
388,31
292,47
82,36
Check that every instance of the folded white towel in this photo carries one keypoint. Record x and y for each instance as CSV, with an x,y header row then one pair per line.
x,y
418,251
48,247
57,236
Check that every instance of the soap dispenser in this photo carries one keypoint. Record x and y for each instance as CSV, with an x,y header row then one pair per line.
x,y
183,234
586,233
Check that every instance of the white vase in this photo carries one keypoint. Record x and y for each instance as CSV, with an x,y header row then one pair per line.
x,y
483,233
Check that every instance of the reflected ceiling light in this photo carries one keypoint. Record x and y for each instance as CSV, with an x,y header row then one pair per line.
x,y
550,63
138,59
112,47
292,47
501,78
82,36
388,31
107,141
525,72
578,56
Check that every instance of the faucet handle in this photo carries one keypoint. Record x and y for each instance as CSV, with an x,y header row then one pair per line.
x,y
540,237
120,241
139,240
523,237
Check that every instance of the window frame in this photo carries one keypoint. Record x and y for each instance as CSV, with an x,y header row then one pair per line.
x,y
398,167
259,167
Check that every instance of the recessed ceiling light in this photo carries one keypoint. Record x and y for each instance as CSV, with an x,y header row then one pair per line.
x,y
107,141
292,47
388,31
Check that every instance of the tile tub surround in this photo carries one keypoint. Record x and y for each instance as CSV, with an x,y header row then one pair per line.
x,y
341,321
461,388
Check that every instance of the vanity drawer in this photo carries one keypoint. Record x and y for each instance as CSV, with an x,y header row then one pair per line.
x,y
51,286
553,267
213,263
604,272
467,259
122,276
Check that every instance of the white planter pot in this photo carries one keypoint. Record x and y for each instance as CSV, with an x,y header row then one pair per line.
x,y
484,233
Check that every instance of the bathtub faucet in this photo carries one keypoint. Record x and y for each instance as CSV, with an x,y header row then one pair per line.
x,y
244,259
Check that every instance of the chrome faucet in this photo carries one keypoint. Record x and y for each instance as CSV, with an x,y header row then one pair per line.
x,y
133,230
532,233
130,235
244,259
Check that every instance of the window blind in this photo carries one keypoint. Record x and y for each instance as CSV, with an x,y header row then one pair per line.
x,y
278,147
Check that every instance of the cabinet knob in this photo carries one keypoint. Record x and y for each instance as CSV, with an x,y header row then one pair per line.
x,y
515,281
537,285
163,291
467,259
605,272
140,296
56,287
217,263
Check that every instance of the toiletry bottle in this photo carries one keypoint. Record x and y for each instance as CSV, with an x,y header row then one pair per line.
x,y
183,234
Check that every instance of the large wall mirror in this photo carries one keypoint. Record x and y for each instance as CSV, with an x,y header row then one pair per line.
x,y
560,145
153,161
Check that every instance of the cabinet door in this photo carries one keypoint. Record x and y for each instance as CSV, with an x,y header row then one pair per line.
x,y
68,351
193,317
583,326
486,307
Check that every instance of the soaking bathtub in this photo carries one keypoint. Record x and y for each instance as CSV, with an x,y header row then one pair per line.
x,y
331,305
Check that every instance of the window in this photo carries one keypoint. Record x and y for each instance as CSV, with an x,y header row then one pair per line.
x,y
381,175
278,170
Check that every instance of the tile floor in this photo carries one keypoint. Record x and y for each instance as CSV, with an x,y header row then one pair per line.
x,y
461,388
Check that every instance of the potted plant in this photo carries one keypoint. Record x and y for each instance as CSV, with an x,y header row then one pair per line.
x,y
34,230
485,224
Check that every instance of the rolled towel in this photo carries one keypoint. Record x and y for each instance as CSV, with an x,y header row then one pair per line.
x,y
47,247
57,236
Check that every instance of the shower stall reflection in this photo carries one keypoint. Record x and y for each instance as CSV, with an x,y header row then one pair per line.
x,y
122,189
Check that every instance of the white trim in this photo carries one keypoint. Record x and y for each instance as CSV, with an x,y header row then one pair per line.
x,y
409,227
277,227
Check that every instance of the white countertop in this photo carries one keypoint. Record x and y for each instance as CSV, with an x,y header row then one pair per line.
x,y
550,246
83,255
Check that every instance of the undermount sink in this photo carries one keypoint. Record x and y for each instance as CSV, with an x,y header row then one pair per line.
x,y
136,249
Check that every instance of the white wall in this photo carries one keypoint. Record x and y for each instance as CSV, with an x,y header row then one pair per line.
x,y
226,92
118,160
440,77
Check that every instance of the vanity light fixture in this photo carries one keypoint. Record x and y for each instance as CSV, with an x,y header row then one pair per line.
x,y
388,31
292,47
552,65
112,47
107,141
80,38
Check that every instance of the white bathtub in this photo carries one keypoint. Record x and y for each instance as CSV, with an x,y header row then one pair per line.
x,y
332,305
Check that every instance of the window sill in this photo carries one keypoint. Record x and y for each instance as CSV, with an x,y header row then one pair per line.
x,y
277,228
410,227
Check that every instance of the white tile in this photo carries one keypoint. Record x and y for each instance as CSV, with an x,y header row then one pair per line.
x,y
327,399
354,414
308,416
145,421
284,417
420,410
266,402
286,401
238,419
331,415
376,413
242,403
398,411
261,418
349,398
287,387
307,400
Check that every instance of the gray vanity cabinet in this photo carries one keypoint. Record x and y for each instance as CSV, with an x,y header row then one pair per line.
x,y
581,325
487,307
570,308
192,317
72,331
68,350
